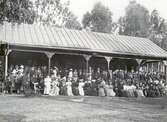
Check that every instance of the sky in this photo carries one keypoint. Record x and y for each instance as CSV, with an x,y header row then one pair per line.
x,y
80,7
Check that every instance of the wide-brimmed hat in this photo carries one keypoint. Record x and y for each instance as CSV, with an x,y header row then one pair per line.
x,y
21,66
70,69
55,68
93,80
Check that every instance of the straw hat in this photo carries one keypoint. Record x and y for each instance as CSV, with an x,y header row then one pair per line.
x,y
21,66
71,69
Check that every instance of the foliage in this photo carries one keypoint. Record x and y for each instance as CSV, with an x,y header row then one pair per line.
x,y
136,21
72,22
158,30
20,11
51,12
99,19
54,12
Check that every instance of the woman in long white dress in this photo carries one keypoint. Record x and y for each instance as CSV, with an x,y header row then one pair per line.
x,y
139,90
109,91
47,83
101,90
55,89
80,88
69,88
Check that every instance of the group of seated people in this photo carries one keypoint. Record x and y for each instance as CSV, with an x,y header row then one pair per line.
x,y
136,84
77,82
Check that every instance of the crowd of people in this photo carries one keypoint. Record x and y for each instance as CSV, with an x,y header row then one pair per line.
x,y
139,83
70,82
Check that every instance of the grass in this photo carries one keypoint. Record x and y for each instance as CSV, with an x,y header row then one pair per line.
x,y
17,108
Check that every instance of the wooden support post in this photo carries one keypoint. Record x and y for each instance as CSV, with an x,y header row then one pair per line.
x,y
108,59
6,63
49,55
6,66
147,67
139,63
87,58
165,66
152,67
159,67
165,74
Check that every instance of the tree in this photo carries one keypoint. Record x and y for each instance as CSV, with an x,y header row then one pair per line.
x,y
121,25
158,30
51,12
72,22
157,22
136,20
54,12
17,11
99,19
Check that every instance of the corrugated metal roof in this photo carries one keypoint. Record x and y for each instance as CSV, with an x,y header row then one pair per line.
x,y
53,37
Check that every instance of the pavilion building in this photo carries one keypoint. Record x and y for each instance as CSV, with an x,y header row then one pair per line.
x,y
53,46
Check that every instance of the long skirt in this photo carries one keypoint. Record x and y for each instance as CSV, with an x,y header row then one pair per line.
x,y
139,93
110,92
125,93
81,91
94,91
87,90
75,90
47,89
55,91
131,93
27,89
63,90
18,85
69,91
101,92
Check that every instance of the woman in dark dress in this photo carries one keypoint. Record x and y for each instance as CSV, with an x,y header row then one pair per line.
x,y
87,88
94,88
62,85
19,82
75,88
26,84
8,85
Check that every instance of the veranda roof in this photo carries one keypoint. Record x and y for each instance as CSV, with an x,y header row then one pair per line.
x,y
61,38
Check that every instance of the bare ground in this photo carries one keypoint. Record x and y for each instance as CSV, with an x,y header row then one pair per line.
x,y
17,108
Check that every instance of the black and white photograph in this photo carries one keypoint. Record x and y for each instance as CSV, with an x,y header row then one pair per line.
x,y
83,61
